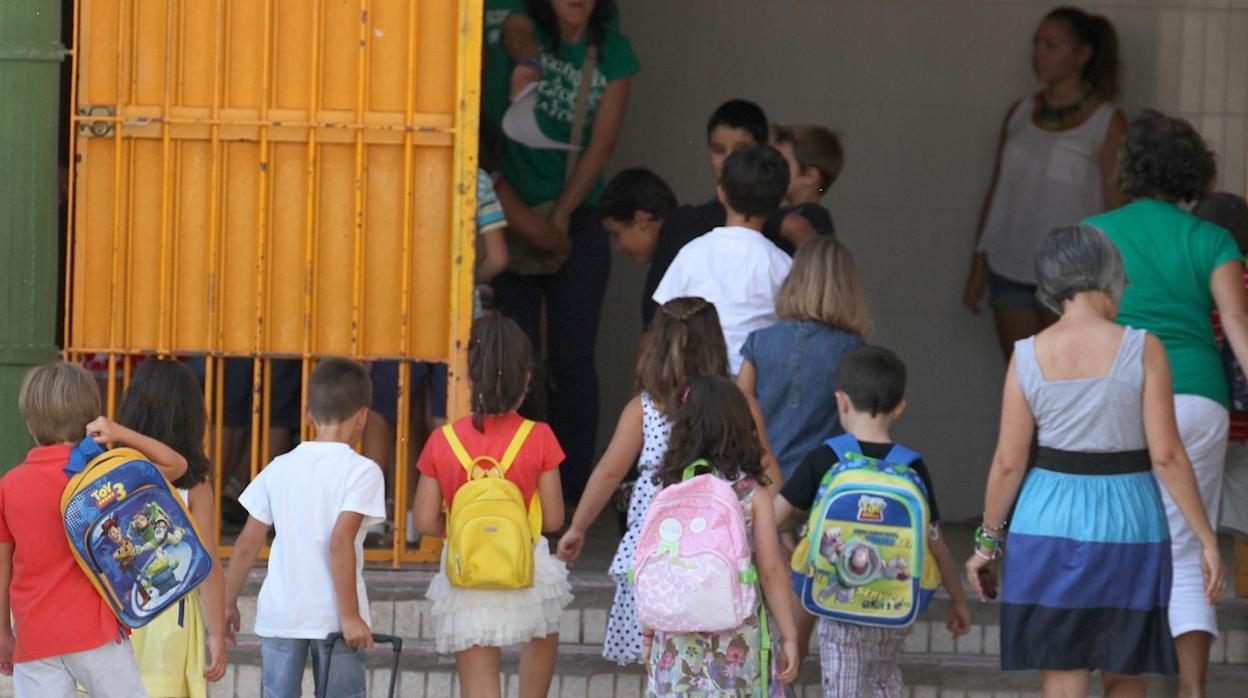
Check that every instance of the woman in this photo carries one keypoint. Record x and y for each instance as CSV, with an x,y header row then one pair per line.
x,y
1088,572
1054,166
1181,268
569,280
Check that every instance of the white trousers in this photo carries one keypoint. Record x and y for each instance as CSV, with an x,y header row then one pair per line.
x,y
108,671
1203,426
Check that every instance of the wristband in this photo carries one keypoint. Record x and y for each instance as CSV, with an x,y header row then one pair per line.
x,y
982,554
532,62
986,542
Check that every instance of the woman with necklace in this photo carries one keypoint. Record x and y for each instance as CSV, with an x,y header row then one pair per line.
x,y
1055,165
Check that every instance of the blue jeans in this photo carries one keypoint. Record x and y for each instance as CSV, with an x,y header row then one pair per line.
x,y
283,660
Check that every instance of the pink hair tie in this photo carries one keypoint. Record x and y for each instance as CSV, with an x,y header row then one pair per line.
x,y
684,397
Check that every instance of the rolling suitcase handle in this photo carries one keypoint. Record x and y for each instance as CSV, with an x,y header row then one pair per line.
x,y
394,641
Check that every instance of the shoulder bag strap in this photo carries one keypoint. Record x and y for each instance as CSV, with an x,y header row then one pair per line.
x,y
582,108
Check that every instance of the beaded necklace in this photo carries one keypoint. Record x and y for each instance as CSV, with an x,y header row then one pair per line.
x,y
1051,118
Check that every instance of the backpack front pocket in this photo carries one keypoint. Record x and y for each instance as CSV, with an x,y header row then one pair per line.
x,y
697,593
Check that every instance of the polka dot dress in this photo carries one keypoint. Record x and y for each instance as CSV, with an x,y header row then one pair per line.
x,y
623,643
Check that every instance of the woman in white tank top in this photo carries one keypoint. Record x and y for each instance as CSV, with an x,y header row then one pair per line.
x,y
1054,166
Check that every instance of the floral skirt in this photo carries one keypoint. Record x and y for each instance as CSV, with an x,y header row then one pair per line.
x,y
719,665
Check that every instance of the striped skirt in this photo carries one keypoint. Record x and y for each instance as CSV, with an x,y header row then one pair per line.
x,y
1087,568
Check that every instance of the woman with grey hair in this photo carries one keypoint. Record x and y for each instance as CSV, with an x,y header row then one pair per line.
x,y
1181,269
1088,578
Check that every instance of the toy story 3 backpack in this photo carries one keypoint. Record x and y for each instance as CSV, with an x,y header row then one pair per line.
x,y
130,532
864,559
490,532
693,570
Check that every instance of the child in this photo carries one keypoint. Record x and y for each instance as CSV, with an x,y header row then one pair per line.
x,y
66,633
713,422
475,623
815,159
163,401
859,660
318,497
687,342
734,266
787,366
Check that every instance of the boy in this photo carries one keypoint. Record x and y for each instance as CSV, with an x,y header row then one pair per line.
x,y
734,266
66,633
858,660
634,207
815,160
318,497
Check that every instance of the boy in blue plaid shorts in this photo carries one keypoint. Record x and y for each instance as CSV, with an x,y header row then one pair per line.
x,y
859,660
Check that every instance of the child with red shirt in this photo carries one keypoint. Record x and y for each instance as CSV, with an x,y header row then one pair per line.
x,y
65,632
475,623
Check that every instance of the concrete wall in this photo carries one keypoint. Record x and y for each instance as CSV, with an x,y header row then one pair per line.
x,y
917,89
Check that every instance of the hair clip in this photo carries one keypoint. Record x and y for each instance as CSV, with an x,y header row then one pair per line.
x,y
684,397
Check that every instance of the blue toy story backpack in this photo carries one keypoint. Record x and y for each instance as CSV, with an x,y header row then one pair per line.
x,y
864,559
130,532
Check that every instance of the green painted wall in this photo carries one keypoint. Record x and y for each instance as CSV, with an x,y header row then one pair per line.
x,y
30,59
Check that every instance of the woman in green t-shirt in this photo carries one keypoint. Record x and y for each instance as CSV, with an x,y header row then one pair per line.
x,y
564,270
1179,269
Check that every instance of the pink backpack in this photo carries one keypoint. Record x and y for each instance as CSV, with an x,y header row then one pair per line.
x,y
693,570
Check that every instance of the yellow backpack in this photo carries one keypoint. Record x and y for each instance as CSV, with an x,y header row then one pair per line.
x,y
490,532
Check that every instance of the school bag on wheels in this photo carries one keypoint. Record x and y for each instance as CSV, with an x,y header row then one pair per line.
x,y
864,559
130,532
396,644
490,531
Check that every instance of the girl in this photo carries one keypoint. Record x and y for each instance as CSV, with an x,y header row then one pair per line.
x,y
1097,398
790,367
687,341
712,421
475,623
1055,165
164,402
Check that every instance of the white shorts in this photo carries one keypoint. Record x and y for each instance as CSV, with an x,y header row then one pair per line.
x,y
108,671
1203,426
1234,515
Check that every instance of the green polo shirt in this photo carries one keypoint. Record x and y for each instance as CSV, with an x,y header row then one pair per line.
x,y
1170,256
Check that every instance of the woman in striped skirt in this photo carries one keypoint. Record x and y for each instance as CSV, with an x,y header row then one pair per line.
x,y
1087,578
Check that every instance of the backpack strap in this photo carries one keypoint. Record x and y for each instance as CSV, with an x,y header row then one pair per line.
x,y
691,470
83,453
901,455
457,447
513,448
843,444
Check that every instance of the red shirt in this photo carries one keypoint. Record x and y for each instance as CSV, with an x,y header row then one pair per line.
x,y
540,452
1239,420
55,608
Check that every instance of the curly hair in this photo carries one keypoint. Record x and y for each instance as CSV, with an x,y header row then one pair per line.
x,y
543,14
1164,157
712,420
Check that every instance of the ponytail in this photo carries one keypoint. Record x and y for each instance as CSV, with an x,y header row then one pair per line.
x,y
499,365
1103,70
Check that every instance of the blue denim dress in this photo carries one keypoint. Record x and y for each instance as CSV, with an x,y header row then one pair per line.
x,y
795,362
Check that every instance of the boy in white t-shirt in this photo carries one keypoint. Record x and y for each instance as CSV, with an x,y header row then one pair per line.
x,y
735,266
318,497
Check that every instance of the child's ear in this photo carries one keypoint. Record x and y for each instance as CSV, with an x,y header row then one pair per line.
x,y
842,403
719,194
901,407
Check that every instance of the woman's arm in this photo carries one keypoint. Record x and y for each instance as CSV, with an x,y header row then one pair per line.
x,y
1009,465
534,228
203,508
1226,284
519,38
593,161
1171,464
774,578
610,472
978,275
1109,161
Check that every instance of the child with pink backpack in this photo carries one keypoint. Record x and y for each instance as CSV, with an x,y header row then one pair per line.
x,y
706,549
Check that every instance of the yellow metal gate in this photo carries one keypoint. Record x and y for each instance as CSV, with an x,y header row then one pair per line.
x,y
275,178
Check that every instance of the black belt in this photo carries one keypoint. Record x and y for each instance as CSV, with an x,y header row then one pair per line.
x,y
1084,463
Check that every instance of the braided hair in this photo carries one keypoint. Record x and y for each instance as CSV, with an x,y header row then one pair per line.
x,y
500,362
687,340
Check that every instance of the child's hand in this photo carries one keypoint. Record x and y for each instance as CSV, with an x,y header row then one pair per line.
x,y
570,545
958,618
216,652
789,661
357,633
105,430
233,623
982,574
7,641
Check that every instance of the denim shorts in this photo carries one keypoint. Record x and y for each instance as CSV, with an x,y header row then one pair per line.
x,y
385,376
283,660
1007,294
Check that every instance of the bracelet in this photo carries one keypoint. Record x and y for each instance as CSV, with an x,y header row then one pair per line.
x,y
531,62
986,556
987,542
999,528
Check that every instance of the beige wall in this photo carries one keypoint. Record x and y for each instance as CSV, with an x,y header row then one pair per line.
x,y
917,89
